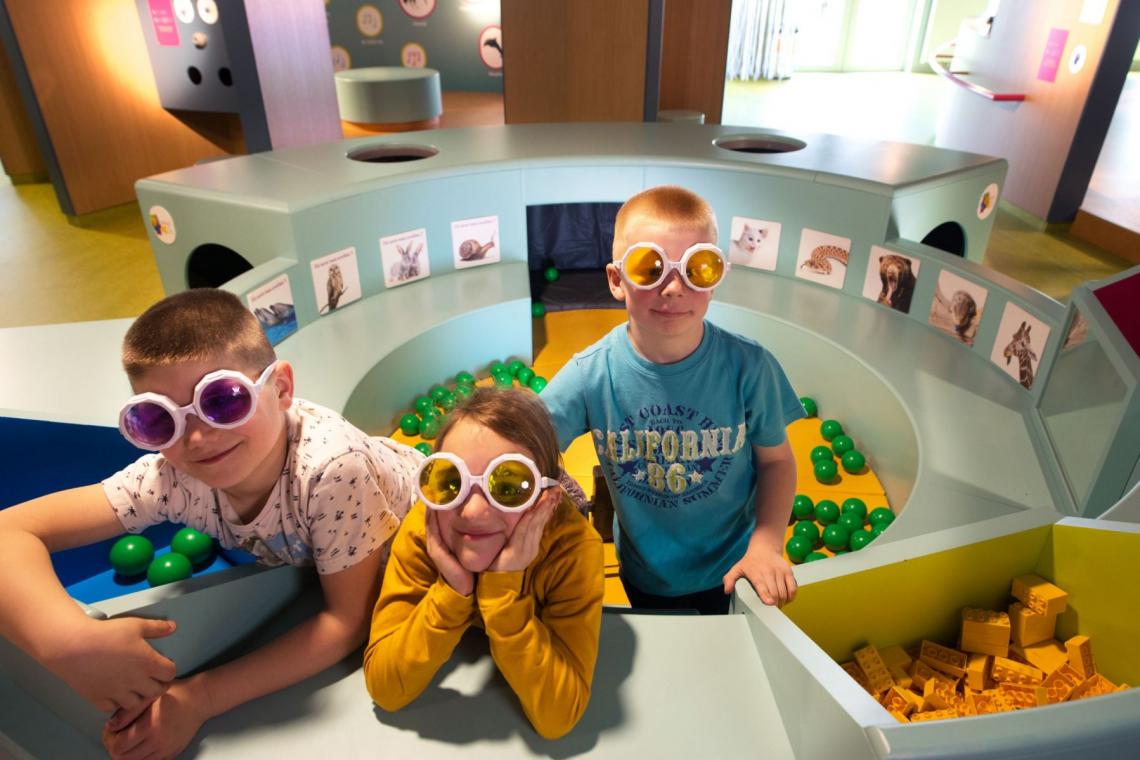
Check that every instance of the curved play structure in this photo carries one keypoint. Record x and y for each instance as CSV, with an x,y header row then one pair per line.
x,y
1001,425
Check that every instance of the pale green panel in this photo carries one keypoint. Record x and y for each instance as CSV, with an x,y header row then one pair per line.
x,y
582,184
361,220
468,342
917,212
257,234
795,204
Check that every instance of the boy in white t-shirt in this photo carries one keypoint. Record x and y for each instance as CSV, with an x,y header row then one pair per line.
x,y
241,460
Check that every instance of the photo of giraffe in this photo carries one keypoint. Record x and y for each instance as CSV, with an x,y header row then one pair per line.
x,y
958,306
823,258
1020,343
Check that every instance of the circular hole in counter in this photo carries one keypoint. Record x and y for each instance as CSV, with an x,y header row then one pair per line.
x,y
759,143
391,153
211,265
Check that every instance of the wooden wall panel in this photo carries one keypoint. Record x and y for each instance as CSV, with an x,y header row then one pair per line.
x,y
574,61
18,150
694,55
88,65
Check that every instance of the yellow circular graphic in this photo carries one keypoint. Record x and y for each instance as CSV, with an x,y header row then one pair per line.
x,y
369,20
340,58
413,55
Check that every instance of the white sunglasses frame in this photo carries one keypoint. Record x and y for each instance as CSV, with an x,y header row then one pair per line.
x,y
470,480
671,265
179,413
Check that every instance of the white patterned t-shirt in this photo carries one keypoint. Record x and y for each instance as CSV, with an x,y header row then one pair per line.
x,y
341,496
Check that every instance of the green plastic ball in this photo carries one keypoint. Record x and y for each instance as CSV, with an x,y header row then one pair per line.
x,y
168,568
835,537
826,511
821,454
497,367
829,429
877,530
432,412
881,516
859,539
194,545
798,548
410,424
814,556
130,555
423,403
447,403
841,444
825,471
525,375
537,309
464,378
537,383
514,367
808,530
424,448
854,461
810,407
802,507
550,274
852,521
438,392
464,390
429,428
503,380
854,505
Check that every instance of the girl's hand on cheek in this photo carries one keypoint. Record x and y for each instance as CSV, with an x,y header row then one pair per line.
x,y
458,577
522,547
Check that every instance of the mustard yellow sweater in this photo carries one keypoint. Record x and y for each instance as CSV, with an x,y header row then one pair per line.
x,y
542,622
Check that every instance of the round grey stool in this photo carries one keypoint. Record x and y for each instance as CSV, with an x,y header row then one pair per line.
x,y
389,96
679,114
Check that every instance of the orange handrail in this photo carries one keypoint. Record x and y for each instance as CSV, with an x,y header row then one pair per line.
x,y
946,52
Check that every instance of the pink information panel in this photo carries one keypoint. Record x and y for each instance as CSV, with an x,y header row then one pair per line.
x,y
162,18
1051,58
1121,300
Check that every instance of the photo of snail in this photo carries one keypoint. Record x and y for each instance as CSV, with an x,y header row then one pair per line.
x,y
475,241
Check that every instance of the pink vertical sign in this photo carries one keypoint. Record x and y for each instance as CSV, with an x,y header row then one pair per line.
x,y
1051,58
162,18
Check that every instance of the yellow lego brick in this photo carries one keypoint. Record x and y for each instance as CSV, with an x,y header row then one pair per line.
x,y
934,715
896,700
1093,686
1007,671
900,676
1039,595
983,703
1123,687
943,659
899,717
1080,655
1046,656
855,672
874,668
984,632
1060,683
965,708
896,656
940,693
1022,695
921,673
1028,627
977,671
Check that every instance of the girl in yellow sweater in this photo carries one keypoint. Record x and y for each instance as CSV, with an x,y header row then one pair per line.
x,y
493,542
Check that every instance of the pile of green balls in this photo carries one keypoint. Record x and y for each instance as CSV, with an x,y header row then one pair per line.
x,y
824,465
190,550
839,528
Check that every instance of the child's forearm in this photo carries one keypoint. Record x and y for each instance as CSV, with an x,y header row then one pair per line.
x,y
409,643
774,495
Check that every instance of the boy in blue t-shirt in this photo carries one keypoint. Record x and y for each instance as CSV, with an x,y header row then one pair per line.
x,y
688,419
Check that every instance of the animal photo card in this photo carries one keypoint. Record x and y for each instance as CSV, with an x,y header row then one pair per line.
x,y
823,258
1020,343
475,241
1078,331
957,307
755,243
404,257
336,280
891,278
272,304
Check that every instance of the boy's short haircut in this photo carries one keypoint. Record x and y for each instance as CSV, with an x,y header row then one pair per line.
x,y
669,204
517,415
196,325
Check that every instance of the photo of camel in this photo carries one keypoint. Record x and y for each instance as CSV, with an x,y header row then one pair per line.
x,y
1020,343
404,257
891,278
957,307
823,258
336,280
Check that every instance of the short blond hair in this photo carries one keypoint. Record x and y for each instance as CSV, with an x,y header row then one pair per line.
x,y
196,325
668,204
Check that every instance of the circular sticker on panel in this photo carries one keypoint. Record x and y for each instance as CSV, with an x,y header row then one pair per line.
x,y
413,55
184,11
340,58
208,11
417,9
491,47
988,200
161,224
369,20
1077,59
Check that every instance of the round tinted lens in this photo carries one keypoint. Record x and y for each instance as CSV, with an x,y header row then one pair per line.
x,y
705,269
511,483
225,401
149,424
440,482
643,266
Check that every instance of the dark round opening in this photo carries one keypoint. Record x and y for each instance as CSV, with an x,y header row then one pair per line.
x,y
392,153
194,74
948,237
759,143
211,265
226,77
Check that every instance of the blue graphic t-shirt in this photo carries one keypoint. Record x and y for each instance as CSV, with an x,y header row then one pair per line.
x,y
675,442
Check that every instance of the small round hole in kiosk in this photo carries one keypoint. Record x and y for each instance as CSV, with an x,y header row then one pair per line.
x,y
949,237
759,143
211,265
393,153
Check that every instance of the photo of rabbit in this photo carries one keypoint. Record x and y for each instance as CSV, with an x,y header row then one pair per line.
x,y
404,257
408,267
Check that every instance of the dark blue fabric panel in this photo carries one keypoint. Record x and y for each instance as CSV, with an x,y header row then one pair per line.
x,y
570,236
